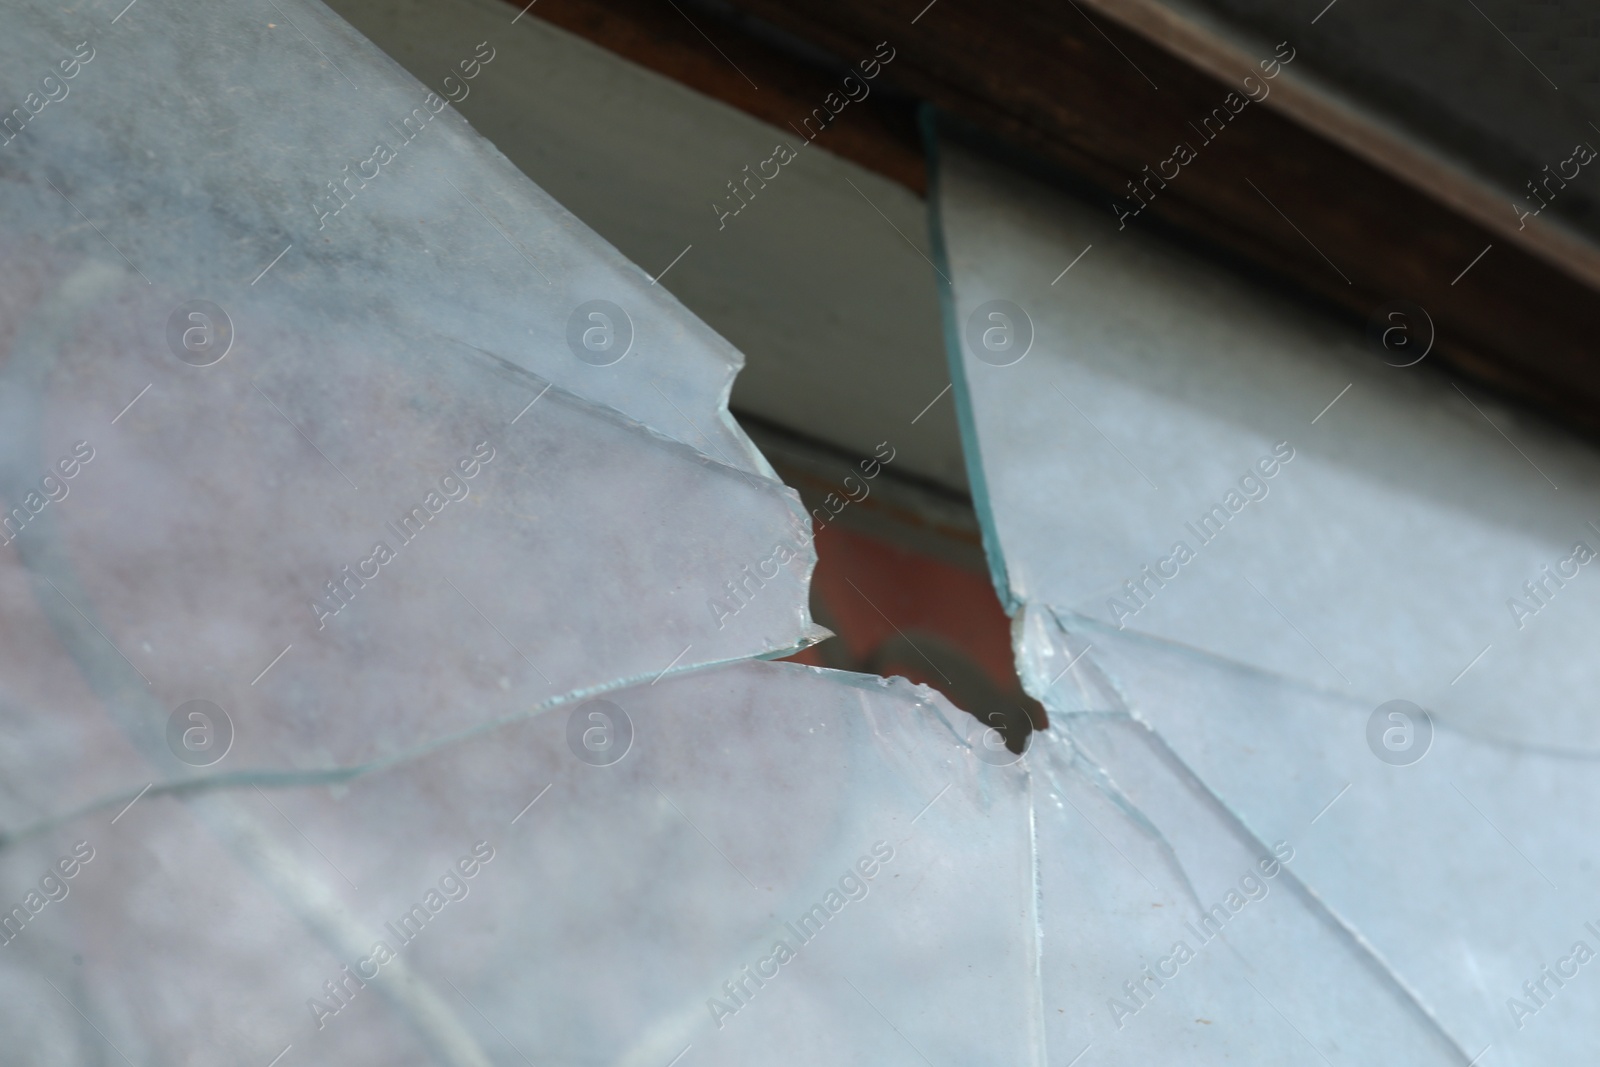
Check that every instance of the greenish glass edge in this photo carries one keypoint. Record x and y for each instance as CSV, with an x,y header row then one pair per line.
x,y
928,121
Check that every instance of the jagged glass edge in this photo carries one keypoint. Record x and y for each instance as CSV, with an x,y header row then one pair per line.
x,y
276,778
960,391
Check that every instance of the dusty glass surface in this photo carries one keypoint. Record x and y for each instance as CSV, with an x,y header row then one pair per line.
x,y
1170,449
381,577
1426,885
288,159
208,551
606,885
381,572
1171,932
437,405
1342,678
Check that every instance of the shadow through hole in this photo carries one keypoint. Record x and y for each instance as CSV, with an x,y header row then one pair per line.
x,y
927,659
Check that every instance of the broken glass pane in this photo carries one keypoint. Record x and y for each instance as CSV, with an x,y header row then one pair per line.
x,y
247,502
765,861
1293,609
1172,450
1447,873
207,551
1171,932
298,165
381,564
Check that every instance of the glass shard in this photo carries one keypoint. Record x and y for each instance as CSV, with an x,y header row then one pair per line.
x,y
1169,449
747,862
316,174
1268,588
315,453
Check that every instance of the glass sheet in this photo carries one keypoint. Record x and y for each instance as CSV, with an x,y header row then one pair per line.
x,y
1173,934
605,885
507,792
382,577
1443,877
1410,540
264,154
1331,679
317,512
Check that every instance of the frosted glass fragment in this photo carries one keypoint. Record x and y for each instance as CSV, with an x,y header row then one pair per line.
x,y
1168,933
1331,661
304,474
596,899
441,557
294,162
1173,450
1462,873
